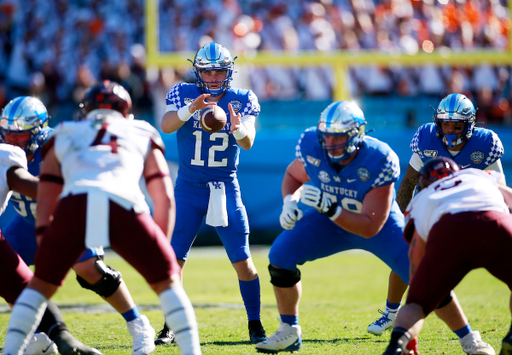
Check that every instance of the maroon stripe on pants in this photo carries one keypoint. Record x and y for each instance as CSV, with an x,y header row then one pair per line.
x,y
456,245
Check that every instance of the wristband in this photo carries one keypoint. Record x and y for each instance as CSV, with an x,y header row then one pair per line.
x,y
337,213
184,113
240,133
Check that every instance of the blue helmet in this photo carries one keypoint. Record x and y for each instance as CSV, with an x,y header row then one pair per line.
x,y
213,57
24,123
341,119
455,108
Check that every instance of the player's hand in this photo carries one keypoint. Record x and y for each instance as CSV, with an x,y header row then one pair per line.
x,y
199,103
291,213
235,119
314,197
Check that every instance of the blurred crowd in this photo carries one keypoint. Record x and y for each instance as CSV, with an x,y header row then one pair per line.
x,y
55,49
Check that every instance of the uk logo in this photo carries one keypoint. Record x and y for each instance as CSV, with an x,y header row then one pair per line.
x,y
217,185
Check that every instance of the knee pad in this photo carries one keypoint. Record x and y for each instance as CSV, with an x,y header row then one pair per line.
x,y
109,282
283,277
446,300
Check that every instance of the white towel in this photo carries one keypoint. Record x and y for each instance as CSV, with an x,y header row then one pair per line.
x,y
217,215
97,225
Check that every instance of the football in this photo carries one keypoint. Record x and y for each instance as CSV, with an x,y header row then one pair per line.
x,y
212,119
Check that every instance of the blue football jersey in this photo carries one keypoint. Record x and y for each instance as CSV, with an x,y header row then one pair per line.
x,y
376,165
26,206
203,156
481,150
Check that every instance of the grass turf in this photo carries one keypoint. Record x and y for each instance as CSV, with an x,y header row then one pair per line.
x,y
341,296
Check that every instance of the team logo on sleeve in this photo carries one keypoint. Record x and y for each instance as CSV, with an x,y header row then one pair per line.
x,y
363,174
313,161
237,105
477,157
430,153
324,177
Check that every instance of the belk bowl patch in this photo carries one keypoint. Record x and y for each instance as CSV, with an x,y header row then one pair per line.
x,y
477,157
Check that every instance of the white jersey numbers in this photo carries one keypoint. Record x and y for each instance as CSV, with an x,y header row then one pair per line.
x,y
214,137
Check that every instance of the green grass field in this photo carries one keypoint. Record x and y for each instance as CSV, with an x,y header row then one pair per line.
x,y
341,296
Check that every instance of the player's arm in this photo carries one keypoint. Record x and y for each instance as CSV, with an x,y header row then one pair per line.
x,y
406,189
173,119
496,166
159,186
374,213
244,132
416,253
294,177
507,195
50,187
20,180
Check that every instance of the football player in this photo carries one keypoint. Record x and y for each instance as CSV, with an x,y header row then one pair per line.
x,y
348,178
53,336
453,135
207,184
452,211
89,196
24,123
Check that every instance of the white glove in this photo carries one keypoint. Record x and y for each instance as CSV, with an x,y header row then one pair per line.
x,y
314,197
291,212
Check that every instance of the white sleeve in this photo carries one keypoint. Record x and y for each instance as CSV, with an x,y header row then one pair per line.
x,y
171,107
416,162
496,166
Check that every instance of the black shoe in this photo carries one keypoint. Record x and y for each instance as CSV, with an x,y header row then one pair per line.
x,y
256,331
68,345
506,345
165,336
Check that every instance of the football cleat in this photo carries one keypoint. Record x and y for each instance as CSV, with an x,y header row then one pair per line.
x,y
165,336
287,338
40,344
68,345
472,344
506,345
383,323
143,336
256,331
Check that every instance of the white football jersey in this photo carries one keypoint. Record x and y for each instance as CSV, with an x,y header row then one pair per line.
x,y
10,156
464,191
105,154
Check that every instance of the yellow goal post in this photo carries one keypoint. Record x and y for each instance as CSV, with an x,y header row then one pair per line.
x,y
340,61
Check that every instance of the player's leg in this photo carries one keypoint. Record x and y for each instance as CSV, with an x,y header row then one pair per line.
x,y
389,246
452,233
158,265
235,238
319,237
93,274
63,243
52,328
